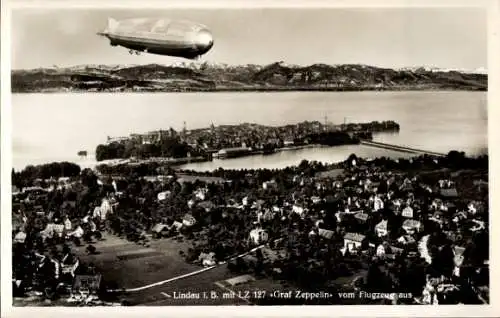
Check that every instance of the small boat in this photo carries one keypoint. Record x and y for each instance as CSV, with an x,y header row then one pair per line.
x,y
82,153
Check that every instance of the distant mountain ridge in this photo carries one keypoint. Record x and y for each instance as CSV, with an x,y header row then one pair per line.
x,y
222,77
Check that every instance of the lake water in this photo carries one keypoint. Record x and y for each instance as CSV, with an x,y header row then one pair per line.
x,y
54,127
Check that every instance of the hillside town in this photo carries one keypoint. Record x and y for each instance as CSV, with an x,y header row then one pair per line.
x,y
415,231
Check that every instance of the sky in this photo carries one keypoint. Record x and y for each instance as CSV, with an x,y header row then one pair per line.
x,y
387,37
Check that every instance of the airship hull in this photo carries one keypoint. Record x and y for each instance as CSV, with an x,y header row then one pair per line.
x,y
170,48
160,36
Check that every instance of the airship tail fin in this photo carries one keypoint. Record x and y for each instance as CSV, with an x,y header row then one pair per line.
x,y
112,24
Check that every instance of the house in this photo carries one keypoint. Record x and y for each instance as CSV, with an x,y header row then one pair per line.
x,y
394,251
206,205
87,284
449,193
58,229
353,241
97,212
406,187
327,234
382,249
68,226
438,204
458,259
239,280
162,196
48,231
258,204
77,233
411,226
258,236
245,201
298,209
268,215
337,184
315,199
188,220
386,250
200,194
270,185
378,204
407,212
396,204
159,230
69,264
361,217
20,237
445,184
406,240
340,216
177,225
372,187
207,259
381,228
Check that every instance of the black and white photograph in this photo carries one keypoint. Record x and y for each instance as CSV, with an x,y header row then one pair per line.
x,y
253,156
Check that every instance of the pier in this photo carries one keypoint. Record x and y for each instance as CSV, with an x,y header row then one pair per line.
x,y
399,148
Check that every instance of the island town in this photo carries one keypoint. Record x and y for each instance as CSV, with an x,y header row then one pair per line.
x,y
360,231
228,141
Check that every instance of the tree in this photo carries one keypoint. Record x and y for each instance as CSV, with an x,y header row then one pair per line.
x,y
89,178
375,278
443,261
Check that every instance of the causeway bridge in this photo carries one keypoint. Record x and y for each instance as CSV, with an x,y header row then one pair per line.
x,y
399,148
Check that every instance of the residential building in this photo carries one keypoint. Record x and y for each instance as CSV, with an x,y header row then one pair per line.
x,y
412,226
378,204
87,284
381,229
258,236
353,241
270,185
458,259
407,212
188,220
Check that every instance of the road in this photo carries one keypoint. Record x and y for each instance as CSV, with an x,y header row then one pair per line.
x,y
199,281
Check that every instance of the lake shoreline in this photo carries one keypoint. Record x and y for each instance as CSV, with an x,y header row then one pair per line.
x,y
83,121
252,90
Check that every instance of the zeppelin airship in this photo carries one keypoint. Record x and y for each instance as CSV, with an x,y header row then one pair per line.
x,y
177,38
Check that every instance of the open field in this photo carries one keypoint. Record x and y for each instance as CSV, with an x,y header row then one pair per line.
x,y
159,262
140,271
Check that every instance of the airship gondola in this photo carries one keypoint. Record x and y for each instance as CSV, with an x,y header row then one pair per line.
x,y
160,36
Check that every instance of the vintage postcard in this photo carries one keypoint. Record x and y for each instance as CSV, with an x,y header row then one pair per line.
x,y
288,158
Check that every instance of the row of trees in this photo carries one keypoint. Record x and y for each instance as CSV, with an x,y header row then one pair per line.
x,y
166,147
28,175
